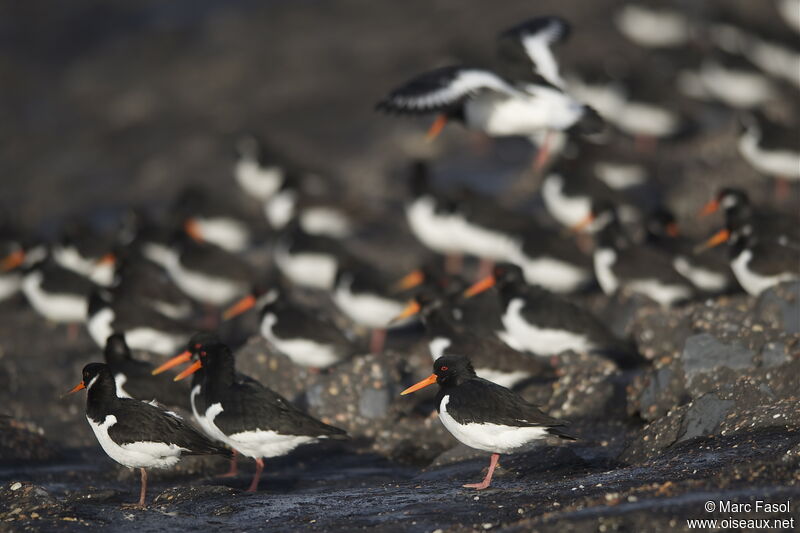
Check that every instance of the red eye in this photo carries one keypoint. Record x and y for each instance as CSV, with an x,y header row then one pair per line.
x,y
203,353
443,368
197,346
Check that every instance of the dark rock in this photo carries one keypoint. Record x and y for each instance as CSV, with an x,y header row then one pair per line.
x,y
21,441
704,354
780,305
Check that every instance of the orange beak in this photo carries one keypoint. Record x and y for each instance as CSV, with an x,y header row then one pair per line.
x,y
436,128
175,361
12,261
108,259
239,307
188,371
483,285
411,309
711,207
192,229
583,224
430,380
409,281
718,238
672,229
76,388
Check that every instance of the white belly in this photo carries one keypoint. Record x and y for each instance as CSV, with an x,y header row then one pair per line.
x,y
204,288
526,115
153,340
69,258
135,454
325,221
367,310
737,88
541,341
99,326
552,274
434,230
317,271
567,211
67,308
753,283
640,118
484,243
9,285
653,28
228,234
303,352
783,164
704,279
662,293
493,438
260,183
604,260
619,175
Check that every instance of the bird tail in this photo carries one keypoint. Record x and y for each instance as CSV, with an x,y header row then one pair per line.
x,y
557,431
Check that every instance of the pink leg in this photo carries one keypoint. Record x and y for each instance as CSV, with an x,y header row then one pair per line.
x,y
485,268
453,263
140,503
645,143
234,469
488,479
72,332
782,189
377,340
257,476
543,154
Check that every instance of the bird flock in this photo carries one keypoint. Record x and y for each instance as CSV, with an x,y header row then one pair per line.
x,y
494,292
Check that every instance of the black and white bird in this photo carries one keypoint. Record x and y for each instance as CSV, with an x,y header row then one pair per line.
x,y
486,416
86,251
654,25
544,323
215,218
144,328
58,294
500,104
134,378
304,335
621,264
134,433
758,262
309,260
248,417
494,360
258,170
770,147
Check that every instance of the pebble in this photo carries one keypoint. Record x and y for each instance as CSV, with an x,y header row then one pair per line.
x,y
16,486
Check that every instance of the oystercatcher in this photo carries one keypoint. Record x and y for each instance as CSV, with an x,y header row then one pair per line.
x,y
205,272
740,213
494,360
249,417
621,264
484,415
757,262
541,322
144,327
58,294
134,433
85,251
653,26
770,147
208,217
709,272
365,296
308,260
134,379
304,335
258,170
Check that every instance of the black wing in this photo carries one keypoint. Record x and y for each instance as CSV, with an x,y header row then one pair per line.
x,y
248,406
142,422
443,88
483,402
530,42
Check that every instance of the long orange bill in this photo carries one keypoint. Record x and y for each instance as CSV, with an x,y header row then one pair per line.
x,y
672,229
409,281
583,224
483,285
718,238
175,361
436,128
411,309
108,259
430,380
711,207
239,307
76,388
12,261
192,229
188,371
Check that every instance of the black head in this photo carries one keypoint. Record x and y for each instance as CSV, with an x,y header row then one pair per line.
x,y
507,274
452,370
730,198
116,349
428,301
202,340
96,378
661,224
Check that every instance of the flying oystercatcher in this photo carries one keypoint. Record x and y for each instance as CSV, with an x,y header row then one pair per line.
x,y
134,433
249,417
134,378
497,104
544,323
484,415
302,334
